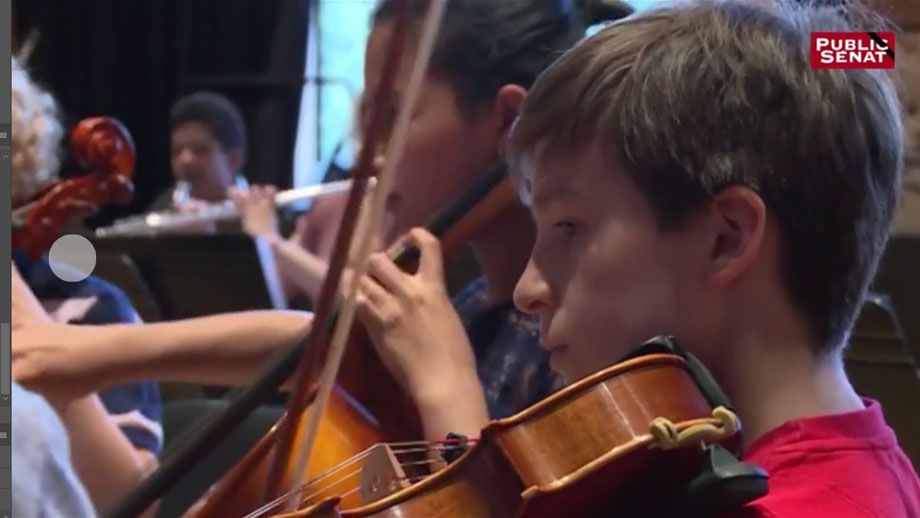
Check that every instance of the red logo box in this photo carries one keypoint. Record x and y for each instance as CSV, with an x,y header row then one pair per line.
x,y
852,50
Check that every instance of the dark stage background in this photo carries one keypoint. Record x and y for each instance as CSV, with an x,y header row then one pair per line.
x,y
132,59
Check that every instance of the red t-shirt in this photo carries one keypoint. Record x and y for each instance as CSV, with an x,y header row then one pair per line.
x,y
835,466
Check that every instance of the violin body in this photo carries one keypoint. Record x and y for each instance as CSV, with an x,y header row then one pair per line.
x,y
369,406
620,439
347,429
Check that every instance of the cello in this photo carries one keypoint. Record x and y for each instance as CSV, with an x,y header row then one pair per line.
x,y
100,144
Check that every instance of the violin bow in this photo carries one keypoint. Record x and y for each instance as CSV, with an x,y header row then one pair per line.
x,y
303,360
313,357
371,229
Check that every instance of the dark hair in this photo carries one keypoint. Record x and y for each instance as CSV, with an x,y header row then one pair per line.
x,y
701,96
217,112
485,44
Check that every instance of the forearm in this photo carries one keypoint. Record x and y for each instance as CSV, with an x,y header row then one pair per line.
x,y
300,270
446,408
226,349
106,462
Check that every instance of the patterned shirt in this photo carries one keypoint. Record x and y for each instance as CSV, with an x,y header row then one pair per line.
x,y
513,368
135,408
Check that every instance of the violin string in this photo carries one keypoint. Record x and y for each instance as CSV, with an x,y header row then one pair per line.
x,y
323,476
425,462
340,480
328,487
354,459
261,511
425,449
316,496
421,462
312,482
398,448
401,448
294,493
357,487
343,495
424,443
431,446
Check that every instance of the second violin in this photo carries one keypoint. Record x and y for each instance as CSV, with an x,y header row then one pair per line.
x,y
628,439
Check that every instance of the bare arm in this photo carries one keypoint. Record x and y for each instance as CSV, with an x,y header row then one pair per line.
x,y
460,408
105,461
225,349
222,349
107,464
300,270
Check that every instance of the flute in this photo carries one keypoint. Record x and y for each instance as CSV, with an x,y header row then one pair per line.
x,y
155,222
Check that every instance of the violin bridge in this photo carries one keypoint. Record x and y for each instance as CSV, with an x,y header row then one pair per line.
x,y
381,474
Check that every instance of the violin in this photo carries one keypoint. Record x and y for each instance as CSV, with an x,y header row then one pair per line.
x,y
99,144
590,449
365,387
367,408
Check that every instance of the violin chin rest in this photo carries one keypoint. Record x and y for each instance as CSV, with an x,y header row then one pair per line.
x,y
723,484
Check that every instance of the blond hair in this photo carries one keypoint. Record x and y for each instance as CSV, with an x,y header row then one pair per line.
x,y
35,135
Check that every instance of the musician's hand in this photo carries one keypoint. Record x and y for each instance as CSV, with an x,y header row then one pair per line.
x,y
36,343
417,331
55,360
256,206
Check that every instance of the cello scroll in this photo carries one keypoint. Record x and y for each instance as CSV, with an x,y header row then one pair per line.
x,y
105,147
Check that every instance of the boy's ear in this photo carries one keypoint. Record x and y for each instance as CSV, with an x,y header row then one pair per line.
x,y
507,106
739,219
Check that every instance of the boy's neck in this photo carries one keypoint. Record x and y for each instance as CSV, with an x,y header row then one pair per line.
x,y
503,249
773,377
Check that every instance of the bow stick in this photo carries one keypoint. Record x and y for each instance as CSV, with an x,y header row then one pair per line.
x,y
313,357
308,354
372,228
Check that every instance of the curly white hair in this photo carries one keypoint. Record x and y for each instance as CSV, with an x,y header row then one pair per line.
x,y
36,132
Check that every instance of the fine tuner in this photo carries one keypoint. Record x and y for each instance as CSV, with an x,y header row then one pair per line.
x,y
155,222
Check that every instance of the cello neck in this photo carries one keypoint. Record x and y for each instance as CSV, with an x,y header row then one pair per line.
x,y
465,217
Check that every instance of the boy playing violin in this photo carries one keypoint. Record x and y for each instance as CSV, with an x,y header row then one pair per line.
x,y
691,174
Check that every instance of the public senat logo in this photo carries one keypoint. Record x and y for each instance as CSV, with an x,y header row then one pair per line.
x,y
852,50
